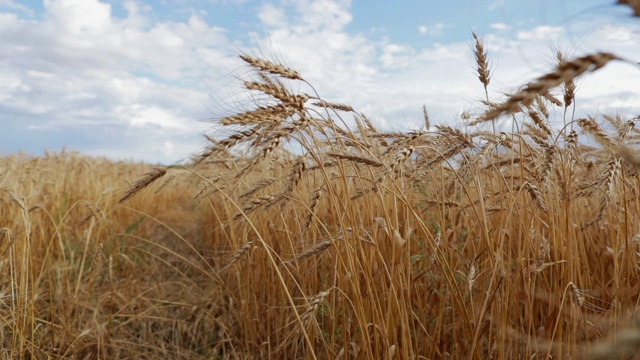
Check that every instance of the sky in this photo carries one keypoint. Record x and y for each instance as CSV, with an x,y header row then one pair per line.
x,y
143,80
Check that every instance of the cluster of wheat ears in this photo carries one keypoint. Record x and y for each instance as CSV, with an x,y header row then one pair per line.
x,y
360,243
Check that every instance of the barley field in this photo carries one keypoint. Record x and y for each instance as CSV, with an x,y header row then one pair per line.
x,y
304,231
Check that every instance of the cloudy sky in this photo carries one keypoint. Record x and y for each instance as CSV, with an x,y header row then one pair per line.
x,y
142,79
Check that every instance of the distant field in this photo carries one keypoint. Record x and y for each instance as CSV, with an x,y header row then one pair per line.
x,y
474,243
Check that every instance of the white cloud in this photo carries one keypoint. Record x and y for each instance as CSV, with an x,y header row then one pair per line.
x,y
77,17
435,29
331,14
396,56
142,115
620,34
541,33
80,68
312,39
133,88
500,26
271,15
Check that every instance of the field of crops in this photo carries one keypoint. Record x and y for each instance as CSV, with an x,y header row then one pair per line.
x,y
306,231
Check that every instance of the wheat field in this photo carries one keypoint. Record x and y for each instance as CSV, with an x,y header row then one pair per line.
x,y
304,231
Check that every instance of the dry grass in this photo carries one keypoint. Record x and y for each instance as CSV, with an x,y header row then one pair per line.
x,y
84,277
363,244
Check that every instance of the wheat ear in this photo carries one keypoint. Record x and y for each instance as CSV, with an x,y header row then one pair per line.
x,y
564,72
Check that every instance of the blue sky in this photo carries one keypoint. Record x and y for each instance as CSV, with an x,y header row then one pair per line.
x,y
140,79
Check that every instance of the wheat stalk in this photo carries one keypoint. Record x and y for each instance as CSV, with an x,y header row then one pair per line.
x,y
425,116
262,116
151,176
589,125
316,249
257,187
269,67
239,254
334,106
313,305
633,4
356,159
536,195
315,200
569,87
279,92
563,73
481,61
